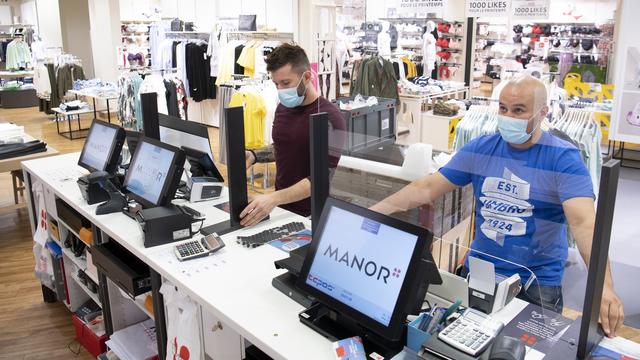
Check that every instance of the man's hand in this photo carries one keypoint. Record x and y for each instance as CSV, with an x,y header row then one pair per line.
x,y
611,311
258,208
249,159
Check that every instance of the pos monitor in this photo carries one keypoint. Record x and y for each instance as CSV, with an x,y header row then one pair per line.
x,y
365,269
154,173
101,150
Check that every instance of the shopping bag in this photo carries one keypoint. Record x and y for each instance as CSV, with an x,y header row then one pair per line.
x,y
183,325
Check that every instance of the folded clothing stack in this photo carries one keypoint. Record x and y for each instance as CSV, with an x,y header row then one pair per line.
x,y
8,151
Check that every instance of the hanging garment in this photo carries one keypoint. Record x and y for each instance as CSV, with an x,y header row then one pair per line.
x,y
18,55
254,117
54,98
153,83
375,78
226,93
247,60
201,84
183,102
181,59
171,96
67,74
129,109
237,68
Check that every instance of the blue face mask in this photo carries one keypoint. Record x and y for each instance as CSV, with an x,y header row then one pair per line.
x,y
514,131
289,97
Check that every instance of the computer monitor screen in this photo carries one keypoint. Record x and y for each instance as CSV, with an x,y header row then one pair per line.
x,y
101,150
152,171
362,264
177,132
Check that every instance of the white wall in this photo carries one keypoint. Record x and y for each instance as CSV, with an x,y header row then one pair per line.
x,y
49,22
139,9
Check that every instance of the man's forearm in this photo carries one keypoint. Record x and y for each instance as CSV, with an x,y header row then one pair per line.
x,y
298,191
583,234
417,193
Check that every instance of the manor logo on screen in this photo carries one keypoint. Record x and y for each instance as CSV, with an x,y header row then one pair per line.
x,y
369,267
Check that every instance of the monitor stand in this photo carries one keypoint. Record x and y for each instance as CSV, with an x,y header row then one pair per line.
x,y
221,228
335,326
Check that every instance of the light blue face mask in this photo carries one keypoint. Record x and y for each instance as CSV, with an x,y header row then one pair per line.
x,y
289,97
514,131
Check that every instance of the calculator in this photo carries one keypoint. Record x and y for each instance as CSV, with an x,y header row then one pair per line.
x,y
472,332
199,248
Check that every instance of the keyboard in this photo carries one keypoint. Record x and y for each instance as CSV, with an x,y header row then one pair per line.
x,y
275,233
195,214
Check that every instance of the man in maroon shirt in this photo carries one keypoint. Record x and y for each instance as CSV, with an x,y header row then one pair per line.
x,y
291,72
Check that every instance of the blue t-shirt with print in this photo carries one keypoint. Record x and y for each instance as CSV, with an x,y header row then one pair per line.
x,y
519,195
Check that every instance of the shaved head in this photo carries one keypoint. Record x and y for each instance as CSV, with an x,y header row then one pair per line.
x,y
528,88
525,97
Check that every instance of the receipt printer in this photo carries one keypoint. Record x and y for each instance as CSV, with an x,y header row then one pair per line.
x,y
164,224
489,292
205,188
91,187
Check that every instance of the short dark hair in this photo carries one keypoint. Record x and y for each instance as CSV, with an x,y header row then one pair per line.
x,y
288,54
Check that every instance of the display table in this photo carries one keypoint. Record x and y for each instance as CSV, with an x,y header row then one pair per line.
x,y
20,98
13,165
232,287
7,74
95,98
70,134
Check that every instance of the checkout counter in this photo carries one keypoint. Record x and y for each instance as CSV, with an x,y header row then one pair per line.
x,y
236,301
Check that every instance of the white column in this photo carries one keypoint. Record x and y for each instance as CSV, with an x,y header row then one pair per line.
x,y
104,18
49,22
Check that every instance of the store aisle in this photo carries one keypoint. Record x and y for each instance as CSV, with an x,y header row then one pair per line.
x,y
29,328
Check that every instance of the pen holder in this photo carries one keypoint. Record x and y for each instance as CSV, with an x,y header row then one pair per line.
x,y
415,336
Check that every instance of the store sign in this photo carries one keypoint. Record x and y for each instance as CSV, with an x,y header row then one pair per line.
x,y
420,6
530,9
488,8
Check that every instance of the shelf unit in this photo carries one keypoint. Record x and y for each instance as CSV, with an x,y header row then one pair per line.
x,y
139,301
141,38
92,295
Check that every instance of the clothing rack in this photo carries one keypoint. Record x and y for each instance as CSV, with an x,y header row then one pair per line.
x,y
260,35
201,35
148,69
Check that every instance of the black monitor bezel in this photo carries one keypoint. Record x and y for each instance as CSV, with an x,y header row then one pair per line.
x,y
394,330
114,151
133,138
195,154
189,127
170,184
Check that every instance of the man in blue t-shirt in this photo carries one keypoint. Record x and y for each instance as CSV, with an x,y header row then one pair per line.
x,y
528,185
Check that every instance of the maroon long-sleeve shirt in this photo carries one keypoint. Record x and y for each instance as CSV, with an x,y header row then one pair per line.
x,y
291,145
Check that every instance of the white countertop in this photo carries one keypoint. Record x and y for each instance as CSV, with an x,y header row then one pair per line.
x,y
234,284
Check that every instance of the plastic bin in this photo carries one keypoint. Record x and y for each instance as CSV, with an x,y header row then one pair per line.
x,y
93,343
369,125
415,336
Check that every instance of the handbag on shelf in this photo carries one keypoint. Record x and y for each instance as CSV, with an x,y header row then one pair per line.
x,y
177,25
247,23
